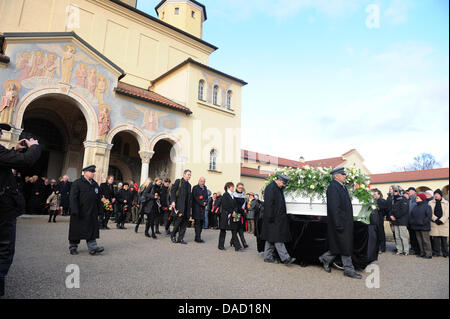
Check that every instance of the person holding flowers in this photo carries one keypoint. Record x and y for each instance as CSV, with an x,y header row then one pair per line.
x,y
199,201
108,199
125,199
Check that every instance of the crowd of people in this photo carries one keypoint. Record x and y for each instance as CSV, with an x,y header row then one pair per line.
x,y
419,221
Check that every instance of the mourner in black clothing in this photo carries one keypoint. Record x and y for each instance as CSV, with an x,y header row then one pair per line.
x,y
240,199
147,186
37,191
152,205
340,225
125,200
228,218
199,201
215,210
106,193
166,212
85,205
181,198
275,228
420,222
12,201
64,190
382,214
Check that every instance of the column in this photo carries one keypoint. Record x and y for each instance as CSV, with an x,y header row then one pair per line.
x,y
145,166
97,153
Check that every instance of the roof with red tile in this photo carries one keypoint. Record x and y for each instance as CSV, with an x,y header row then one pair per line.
x,y
149,96
269,159
410,176
253,172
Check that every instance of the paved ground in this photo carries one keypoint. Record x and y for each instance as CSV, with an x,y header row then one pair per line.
x,y
133,266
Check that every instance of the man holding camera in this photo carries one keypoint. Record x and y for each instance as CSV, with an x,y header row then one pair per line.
x,y
12,202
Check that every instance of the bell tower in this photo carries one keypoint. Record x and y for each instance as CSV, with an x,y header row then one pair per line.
x,y
187,15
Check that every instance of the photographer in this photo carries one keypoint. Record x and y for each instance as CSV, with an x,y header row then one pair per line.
x,y
12,203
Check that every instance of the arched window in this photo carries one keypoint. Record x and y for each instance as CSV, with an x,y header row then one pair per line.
x,y
229,96
201,89
213,160
216,95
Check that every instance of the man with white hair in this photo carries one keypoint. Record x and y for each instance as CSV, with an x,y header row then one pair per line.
x,y
199,201
64,191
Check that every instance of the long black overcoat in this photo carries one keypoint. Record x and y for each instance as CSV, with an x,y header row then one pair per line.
x,y
227,207
340,220
199,197
85,203
183,201
275,227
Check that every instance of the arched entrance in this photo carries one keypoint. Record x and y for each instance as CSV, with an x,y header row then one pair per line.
x,y
161,164
422,189
125,158
61,128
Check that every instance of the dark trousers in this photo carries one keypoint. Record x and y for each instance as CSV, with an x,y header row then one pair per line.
x,y
179,227
241,235
150,224
382,235
423,240
157,221
167,221
65,211
235,239
120,217
101,218
222,235
213,220
413,240
52,213
440,243
198,225
7,249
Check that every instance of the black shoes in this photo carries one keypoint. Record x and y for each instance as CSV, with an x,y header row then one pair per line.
x,y
245,246
96,250
136,229
353,275
157,232
154,236
326,266
182,242
222,248
199,241
73,251
147,235
173,239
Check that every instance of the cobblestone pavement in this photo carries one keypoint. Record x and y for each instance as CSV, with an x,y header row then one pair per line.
x,y
134,266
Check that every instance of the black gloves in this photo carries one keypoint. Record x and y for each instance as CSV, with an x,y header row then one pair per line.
x,y
438,221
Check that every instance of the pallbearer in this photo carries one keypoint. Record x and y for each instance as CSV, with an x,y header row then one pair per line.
x,y
340,225
275,228
85,206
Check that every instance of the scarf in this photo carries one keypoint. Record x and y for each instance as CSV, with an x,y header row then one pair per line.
x,y
438,209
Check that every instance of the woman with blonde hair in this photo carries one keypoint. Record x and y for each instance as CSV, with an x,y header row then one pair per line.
x,y
147,184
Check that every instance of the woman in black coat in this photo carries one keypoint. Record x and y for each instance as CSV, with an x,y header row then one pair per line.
x,y
420,222
228,211
152,206
241,200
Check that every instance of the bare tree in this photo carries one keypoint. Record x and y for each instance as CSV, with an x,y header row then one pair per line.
x,y
421,162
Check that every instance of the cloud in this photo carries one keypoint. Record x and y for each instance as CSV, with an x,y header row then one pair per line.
x,y
397,12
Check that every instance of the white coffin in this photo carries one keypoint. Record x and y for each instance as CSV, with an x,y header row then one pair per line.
x,y
297,205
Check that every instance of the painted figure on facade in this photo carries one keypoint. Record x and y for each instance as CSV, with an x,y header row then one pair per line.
x,y
104,120
68,63
92,80
51,66
23,63
81,75
37,68
9,100
150,120
100,89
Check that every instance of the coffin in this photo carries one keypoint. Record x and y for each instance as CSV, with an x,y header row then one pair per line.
x,y
296,205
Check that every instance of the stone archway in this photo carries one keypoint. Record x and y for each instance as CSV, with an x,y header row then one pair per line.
x,y
172,155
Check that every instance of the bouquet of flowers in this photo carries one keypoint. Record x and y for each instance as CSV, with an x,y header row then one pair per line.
x,y
107,206
125,208
309,182
237,218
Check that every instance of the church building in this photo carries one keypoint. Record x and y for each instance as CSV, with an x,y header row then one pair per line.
x,y
101,82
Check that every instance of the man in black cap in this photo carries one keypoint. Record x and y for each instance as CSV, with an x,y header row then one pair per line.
x,y
340,225
275,228
12,202
85,206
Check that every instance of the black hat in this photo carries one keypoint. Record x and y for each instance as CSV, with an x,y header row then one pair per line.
x,y
126,184
411,189
89,169
284,178
5,127
438,191
339,170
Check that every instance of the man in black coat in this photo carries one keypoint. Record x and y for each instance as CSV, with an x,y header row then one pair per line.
x,y
275,228
340,225
106,193
85,205
125,199
12,201
181,198
64,189
199,201
165,205
382,208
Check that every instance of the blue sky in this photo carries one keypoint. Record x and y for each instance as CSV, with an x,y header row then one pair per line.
x,y
321,82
